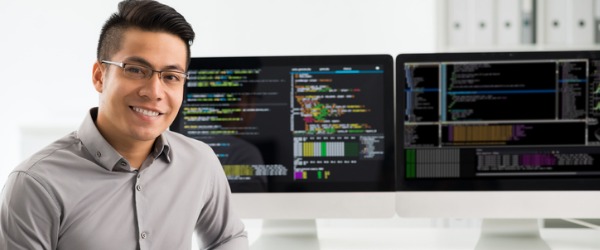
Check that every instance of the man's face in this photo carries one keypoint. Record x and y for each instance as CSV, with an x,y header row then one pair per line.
x,y
133,110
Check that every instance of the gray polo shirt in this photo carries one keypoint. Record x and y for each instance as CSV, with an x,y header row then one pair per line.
x,y
79,193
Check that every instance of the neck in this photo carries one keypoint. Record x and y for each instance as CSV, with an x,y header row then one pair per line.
x,y
135,151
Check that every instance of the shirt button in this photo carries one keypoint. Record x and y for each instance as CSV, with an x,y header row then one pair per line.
x,y
144,235
139,176
138,187
98,154
123,164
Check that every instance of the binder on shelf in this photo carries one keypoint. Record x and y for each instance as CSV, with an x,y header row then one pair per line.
x,y
527,21
580,19
457,24
508,22
555,28
481,22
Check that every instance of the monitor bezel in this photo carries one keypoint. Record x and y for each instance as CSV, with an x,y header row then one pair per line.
x,y
386,183
490,184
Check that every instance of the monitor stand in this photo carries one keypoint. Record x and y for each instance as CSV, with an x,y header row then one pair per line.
x,y
287,234
504,234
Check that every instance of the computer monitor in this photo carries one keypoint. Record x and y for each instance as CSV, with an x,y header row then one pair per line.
x,y
505,137
299,137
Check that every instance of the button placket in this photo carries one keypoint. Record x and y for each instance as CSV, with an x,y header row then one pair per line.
x,y
141,212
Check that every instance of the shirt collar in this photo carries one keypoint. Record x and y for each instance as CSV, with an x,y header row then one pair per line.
x,y
162,147
104,153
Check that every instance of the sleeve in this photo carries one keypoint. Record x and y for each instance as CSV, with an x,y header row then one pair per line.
x,y
218,228
29,216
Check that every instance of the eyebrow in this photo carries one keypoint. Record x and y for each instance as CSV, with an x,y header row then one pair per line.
x,y
140,60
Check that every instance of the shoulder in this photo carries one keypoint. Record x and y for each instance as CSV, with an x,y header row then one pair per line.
x,y
39,174
191,152
60,151
53,161
181,142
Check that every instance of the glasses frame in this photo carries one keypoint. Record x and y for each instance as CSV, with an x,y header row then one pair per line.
x,y
160,72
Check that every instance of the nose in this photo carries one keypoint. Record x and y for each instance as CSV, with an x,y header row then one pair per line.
x,y
153,88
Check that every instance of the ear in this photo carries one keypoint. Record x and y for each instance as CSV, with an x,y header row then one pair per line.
x,y
98,76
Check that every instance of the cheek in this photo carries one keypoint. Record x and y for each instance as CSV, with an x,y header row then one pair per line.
x,y
115,92
176,97
108,91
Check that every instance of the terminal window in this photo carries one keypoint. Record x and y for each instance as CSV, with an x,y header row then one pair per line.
x,y
501,119
293,127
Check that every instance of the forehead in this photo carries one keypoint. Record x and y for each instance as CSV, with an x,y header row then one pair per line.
x,y
156,47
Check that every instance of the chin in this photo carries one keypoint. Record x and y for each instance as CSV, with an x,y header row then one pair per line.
x,y
147,135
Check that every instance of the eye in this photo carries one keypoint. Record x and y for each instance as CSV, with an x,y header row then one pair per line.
x,y
135,71
172,77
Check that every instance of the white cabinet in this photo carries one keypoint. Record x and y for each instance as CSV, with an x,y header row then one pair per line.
x,y
517,25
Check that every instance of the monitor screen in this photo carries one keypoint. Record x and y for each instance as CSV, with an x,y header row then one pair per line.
x,y
504,135
499,121
287,128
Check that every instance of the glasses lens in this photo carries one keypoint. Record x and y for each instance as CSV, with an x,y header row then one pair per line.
x,y
170,77
136,71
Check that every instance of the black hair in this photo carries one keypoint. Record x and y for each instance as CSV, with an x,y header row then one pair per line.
x,y
146,15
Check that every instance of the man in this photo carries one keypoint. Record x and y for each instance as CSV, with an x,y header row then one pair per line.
x,y
122,181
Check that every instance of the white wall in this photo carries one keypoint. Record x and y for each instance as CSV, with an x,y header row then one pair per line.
x,y
47,49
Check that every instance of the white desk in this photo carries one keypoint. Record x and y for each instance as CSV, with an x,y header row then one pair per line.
x,y
332,238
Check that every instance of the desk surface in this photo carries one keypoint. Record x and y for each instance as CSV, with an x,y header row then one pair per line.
x,y
332,238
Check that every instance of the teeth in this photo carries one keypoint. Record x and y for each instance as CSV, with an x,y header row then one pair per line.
x,y
145,112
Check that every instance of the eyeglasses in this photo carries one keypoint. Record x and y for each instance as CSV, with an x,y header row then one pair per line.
x,y
138,72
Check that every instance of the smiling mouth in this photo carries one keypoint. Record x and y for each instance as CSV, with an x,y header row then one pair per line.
x,y
146,112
